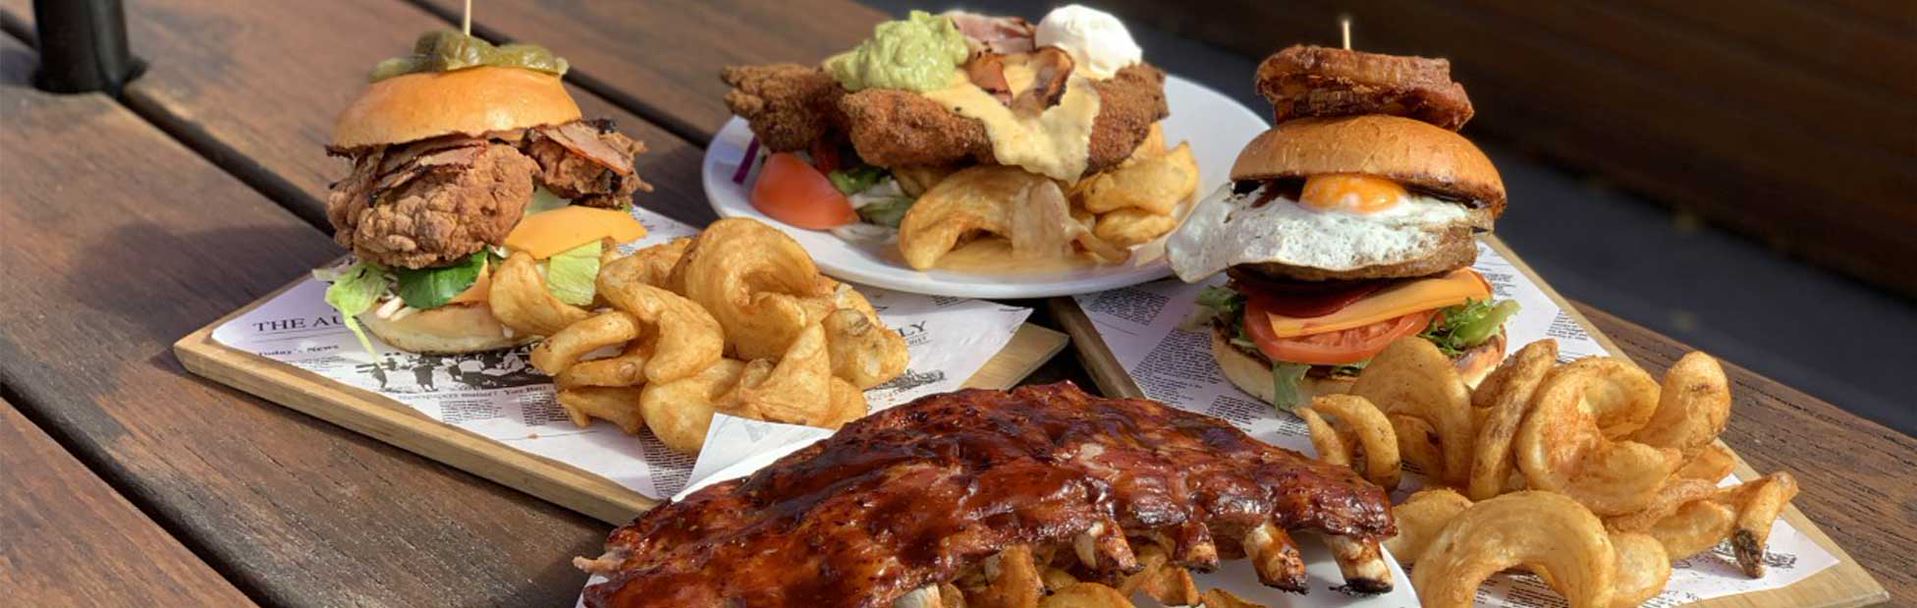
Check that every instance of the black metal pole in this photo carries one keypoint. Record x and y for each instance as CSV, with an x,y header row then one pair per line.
x,y
82,46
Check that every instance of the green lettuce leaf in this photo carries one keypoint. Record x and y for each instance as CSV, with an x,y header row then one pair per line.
x,y
1462,327
1217,303
352,292
429,288
570,274
888,212
1286,378
858,179
544,200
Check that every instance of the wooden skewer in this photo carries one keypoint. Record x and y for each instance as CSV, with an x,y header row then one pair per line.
x,y
1344,25
466,23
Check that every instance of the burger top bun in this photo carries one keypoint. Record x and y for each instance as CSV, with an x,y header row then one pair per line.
x,y
1407,151
470,101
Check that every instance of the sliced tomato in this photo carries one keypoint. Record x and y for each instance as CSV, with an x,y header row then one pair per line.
x,y
1329,348
793,192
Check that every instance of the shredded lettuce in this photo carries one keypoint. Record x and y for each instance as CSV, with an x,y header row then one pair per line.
x,y
429,288
570,274
1286,390
544,200
1465,326
1217,303
353,291
853,180
887,212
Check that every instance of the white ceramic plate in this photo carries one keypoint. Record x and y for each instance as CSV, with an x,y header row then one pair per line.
x,y
1234,575
1216,126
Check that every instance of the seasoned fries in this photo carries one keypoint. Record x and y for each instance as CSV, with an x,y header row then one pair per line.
x,y
736,319
1597,440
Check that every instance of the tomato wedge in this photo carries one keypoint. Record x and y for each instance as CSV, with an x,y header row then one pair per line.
x,y
1330,348
791,191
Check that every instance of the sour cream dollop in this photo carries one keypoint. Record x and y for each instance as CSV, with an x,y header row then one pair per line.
x,y
1097,41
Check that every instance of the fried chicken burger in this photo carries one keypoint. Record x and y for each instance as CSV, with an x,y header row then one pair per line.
x,y
465,155
1346,227
1015,110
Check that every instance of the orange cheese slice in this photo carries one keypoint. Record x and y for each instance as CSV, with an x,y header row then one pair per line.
x,y
1416,296
549,233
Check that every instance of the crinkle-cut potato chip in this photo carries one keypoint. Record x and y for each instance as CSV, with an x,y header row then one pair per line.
x,y
1418,445
518,297
1696,527
1621,396
1086,595
616,404
1011,578
1560,447
1159,578
1420,518
754,280
628,368
680,411
1759,503
1220,598
1714,462
563,348
797,389
1132,226
1528,529
863,350
1024,208
1692,408
1359,426
1156,184
1643,568
1673,496
847,404
1505,397
651,265
685,338
1411,377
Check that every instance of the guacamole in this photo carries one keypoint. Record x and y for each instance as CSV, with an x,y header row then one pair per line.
x,y
447,50
919,53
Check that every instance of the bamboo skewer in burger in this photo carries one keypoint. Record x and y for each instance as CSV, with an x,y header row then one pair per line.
x,y
1346,226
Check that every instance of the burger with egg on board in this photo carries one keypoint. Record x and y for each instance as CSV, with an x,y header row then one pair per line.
x,y
469,160
1341,232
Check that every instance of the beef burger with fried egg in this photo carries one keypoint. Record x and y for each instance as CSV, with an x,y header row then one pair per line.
x,y
1340,234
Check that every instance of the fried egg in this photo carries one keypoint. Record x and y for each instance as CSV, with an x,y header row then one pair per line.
x,y
1340,222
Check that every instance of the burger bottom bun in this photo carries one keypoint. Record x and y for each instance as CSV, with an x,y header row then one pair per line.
x,y
1253,375
448,330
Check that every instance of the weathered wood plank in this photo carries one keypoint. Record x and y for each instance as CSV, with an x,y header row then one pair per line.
x,y
255,86
72,541
663,58
119,240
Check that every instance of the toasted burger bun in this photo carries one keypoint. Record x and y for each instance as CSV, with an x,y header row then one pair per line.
x,y
471,101
1407,151
1253,375
448,330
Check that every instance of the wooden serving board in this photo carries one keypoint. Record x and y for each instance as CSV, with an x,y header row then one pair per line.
x,y
1844,585
392,422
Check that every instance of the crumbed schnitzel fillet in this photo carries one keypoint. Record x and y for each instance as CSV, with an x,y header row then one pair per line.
x,y
790,107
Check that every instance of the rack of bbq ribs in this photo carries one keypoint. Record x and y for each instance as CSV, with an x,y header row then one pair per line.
x,y
949,495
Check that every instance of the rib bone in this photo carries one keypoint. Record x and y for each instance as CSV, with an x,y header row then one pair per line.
x,y
1275,556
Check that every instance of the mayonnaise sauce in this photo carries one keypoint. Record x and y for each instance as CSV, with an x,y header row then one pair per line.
x,y
1056,143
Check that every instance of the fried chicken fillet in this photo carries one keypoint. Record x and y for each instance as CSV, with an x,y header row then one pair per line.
x,y
1307,81
790,107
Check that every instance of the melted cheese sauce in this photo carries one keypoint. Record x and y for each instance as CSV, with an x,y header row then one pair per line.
x,y
1056,143
994,256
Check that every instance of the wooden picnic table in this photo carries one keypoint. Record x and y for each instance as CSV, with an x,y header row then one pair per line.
x,y
129,222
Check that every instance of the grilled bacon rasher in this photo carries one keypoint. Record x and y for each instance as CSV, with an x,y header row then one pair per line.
x,y
928,492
